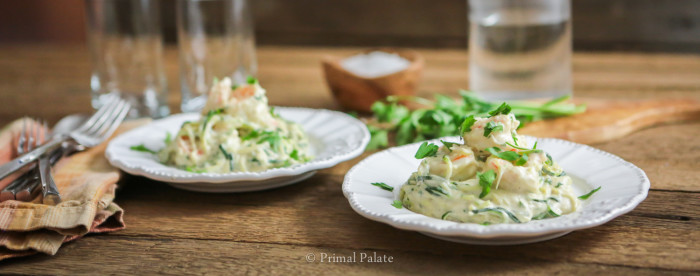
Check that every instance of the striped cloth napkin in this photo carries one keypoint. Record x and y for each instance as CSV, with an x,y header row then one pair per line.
x,y
86,182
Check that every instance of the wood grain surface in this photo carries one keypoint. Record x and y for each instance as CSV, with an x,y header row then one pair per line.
x,y
170,231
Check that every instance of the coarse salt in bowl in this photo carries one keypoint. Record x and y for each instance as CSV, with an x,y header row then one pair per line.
x,y
359,80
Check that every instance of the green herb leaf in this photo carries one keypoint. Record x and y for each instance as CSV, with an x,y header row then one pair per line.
x,y
168,138
397,204
251,135
142,148
504,109
227,155
515,137
251,80
491,127
586,196
445,117
294,155
194,169
383,186
234,87
271,137
486,181
505,155
426,150
467,124
436,191
445,214
522,160
210,114
499,210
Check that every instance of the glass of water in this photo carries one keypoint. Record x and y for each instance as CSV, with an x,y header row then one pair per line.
x,y
215,40
126,45
520,49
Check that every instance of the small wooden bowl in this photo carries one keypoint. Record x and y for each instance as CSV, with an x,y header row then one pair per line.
x,y
358,93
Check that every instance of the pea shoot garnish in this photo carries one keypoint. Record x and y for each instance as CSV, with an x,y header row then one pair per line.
x,y
586,196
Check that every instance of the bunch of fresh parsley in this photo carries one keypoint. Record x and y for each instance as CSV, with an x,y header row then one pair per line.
x,y
444,116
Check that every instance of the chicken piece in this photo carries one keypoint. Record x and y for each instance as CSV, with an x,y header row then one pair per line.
x,y
456,163
519,179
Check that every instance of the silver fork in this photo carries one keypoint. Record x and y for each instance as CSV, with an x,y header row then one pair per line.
x,y
24,185
98,128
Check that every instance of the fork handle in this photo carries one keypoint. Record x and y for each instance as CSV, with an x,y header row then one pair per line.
x,y
48,186
29,157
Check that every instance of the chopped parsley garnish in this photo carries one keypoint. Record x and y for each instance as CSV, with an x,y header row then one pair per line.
x,y
194,169
549,161
436,191
142,148
210,114
545,200
491,127
294,155
486,181
445,214
252,134
467,124
383,186
505,155
546,214
522,160
168,138
251,80
504,109
586,196
227,155
548,172
271,137
426,150
397,204
234,87
499,210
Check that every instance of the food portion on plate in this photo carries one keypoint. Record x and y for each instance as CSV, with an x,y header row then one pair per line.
x,y
493,177
238,132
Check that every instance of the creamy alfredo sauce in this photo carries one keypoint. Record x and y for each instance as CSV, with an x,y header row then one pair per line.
x,y
451,184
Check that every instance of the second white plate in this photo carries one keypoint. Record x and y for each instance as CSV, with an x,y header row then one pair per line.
x,y
623,184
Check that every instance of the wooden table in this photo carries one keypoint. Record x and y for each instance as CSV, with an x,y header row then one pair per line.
x,y
178,232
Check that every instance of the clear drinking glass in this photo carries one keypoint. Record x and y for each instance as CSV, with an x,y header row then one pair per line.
x,y
216,40
520,49
127,53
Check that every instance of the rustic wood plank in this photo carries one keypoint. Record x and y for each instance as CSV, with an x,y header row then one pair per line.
x,y
112,254
316,213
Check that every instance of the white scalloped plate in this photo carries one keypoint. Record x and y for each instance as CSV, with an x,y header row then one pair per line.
x,y
624,186
335,137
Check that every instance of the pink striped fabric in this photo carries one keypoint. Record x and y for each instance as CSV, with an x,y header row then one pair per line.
x,y
86,182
